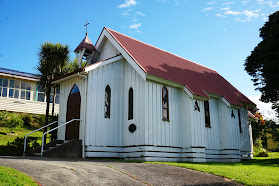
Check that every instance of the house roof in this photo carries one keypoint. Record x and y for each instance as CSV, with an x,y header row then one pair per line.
x,y
86,43
18,73
68,74
197,78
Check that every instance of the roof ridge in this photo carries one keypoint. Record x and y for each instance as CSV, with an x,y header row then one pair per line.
x,y
160,49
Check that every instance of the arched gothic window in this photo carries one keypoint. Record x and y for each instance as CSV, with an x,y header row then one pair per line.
x,y
239,120
107,101
165,103
206,114
131,104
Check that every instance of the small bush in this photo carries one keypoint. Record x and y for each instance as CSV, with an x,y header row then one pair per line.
x,y
259,151
16,147
30,120
4,116
14,121
27,119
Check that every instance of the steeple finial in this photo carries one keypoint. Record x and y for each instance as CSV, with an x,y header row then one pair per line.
x,y
86,27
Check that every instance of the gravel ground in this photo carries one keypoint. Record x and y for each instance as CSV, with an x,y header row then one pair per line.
x,y
56,171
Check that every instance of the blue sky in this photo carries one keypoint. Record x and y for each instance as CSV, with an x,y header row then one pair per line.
x,y
219,34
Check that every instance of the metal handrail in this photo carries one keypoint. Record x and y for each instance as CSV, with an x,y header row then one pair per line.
x,y
42,149
25,138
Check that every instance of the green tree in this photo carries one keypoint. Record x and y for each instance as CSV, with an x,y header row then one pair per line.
x,y
73,65
53,58
263,63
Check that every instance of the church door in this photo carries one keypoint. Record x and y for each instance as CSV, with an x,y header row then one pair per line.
x,y
73,112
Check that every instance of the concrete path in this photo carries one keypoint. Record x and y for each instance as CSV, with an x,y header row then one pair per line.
x,y
54,171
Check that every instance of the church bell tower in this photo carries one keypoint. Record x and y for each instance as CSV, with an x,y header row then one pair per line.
x,y
85,49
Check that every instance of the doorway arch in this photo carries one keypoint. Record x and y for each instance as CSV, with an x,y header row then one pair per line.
x,y
73,112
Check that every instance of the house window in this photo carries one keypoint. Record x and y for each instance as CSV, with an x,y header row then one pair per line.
x,y
15,89
107,101
40,94
57,95
165,103
206,114
41,97
239,121
131,104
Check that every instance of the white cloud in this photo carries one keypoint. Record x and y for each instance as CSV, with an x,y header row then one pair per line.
x,y
264,108
135,26
228,3
250,14
244,2
126,14
241,10
226,8
128,3
140,13
207,9
269,3
230,12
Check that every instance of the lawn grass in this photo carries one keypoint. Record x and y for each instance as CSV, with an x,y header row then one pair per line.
x,y
21,132
259,171
10,176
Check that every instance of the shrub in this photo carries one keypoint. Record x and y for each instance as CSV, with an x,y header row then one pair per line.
x,y
27,119
259,151
4,116
15,148
30,120
14,121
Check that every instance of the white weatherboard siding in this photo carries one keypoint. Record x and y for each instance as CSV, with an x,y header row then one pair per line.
x,y
213,133
65,89
198,125
133,79
103,131
25,106
245,141
162,133
113,133
31,106
108,50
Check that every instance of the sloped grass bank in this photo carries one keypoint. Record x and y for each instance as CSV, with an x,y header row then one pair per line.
x,y
259,171
10,176
6,137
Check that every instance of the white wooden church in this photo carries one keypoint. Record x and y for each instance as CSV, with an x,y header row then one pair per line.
x,y
136,101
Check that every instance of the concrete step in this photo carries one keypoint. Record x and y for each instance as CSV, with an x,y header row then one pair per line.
x,y
37,154
69,149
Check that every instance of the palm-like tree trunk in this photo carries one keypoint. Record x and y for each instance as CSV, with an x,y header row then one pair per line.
x,y
53,133
47,107
52,59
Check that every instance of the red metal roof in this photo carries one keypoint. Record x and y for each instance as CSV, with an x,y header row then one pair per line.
x,y
197,78
86,43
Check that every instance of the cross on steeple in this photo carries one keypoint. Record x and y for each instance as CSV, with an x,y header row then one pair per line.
x,y
86,26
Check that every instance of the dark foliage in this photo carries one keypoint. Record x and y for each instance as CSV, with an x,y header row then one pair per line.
x,y
15,148
263,63
52,60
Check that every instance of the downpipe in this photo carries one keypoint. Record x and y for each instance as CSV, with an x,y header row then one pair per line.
x,y
84,113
